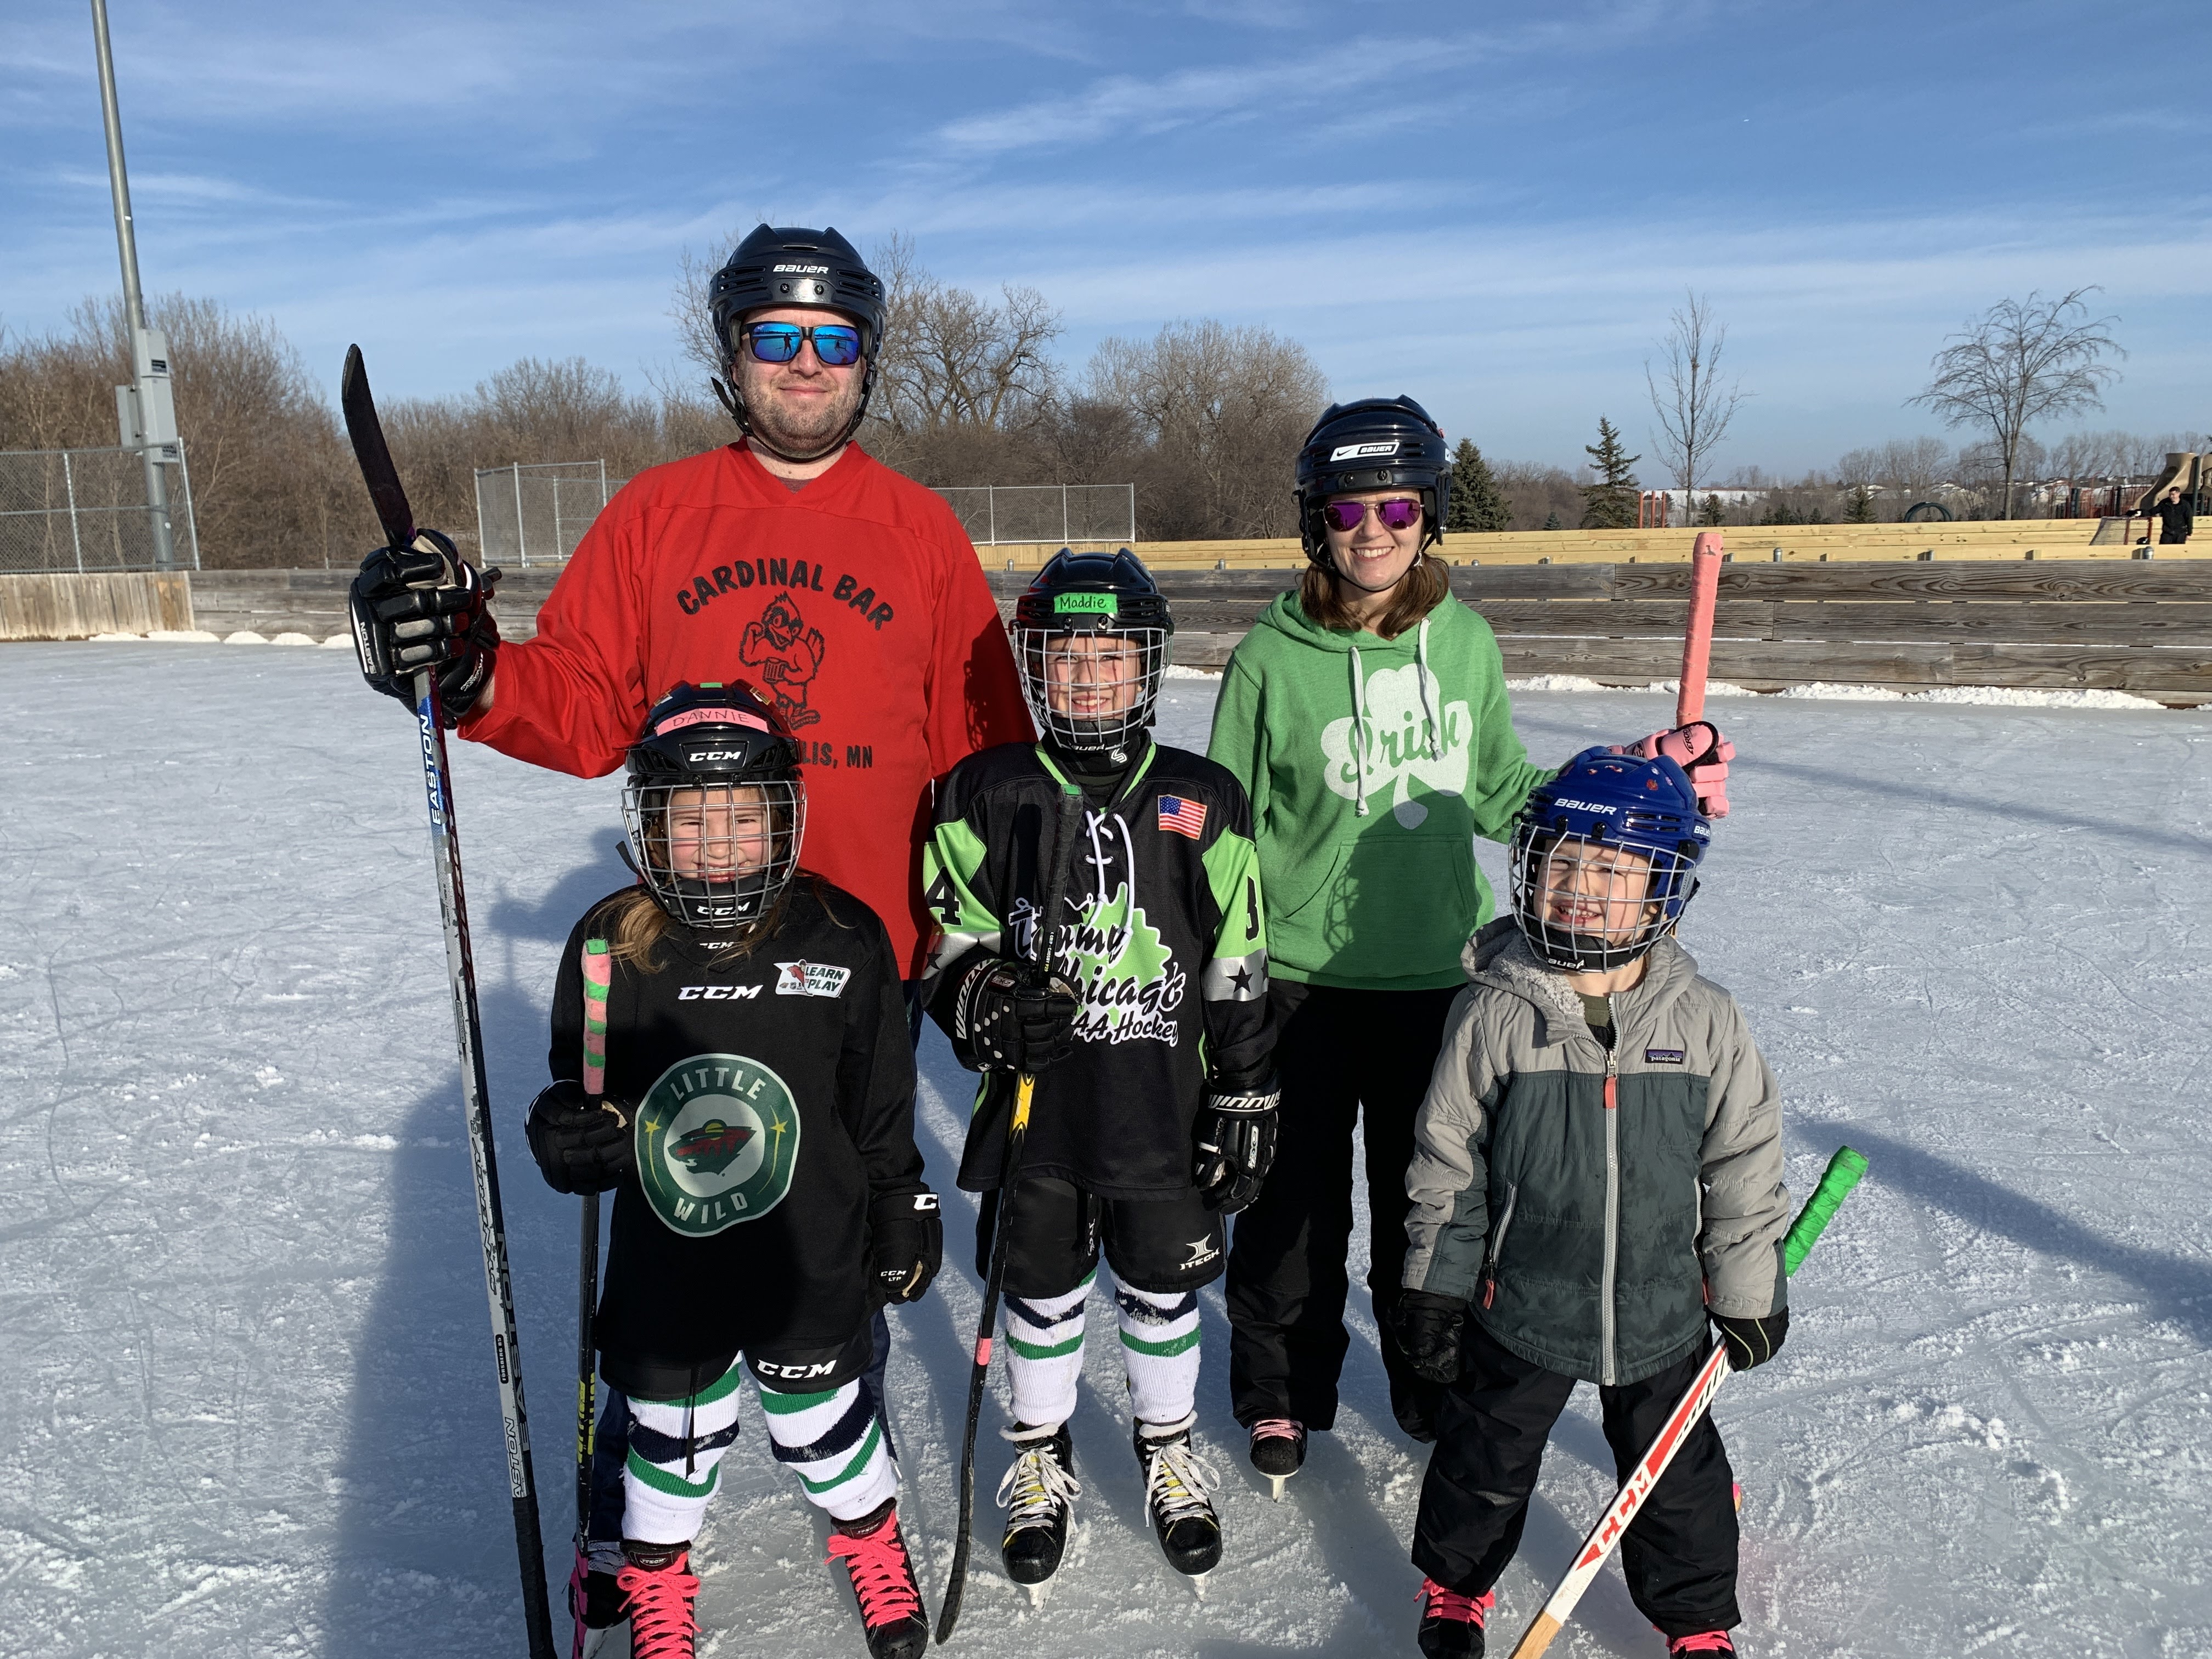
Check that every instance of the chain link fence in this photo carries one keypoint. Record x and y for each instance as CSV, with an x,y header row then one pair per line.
x,y
1066,513
85,509
538,513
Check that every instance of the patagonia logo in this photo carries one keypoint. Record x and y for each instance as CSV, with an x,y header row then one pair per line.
x,y
1662,1056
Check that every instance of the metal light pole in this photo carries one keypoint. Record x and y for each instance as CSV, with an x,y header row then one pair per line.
x,y
146,410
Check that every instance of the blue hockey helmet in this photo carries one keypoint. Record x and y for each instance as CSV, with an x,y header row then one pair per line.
x,y
1605,857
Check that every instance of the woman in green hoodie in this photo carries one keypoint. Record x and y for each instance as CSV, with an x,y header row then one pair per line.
x,y
1367,716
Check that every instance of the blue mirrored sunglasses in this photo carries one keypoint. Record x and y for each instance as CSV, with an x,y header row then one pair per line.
x,y
837,344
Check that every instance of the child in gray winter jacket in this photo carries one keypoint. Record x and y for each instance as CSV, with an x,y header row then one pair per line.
x,y
1597,1172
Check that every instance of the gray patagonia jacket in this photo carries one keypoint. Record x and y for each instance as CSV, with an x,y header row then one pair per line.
x,y
1592,1205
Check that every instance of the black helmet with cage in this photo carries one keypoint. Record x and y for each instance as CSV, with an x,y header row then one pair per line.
x,y
780,265
713,806
1091,637
1377,443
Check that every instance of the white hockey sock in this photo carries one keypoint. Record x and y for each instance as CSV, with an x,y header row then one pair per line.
x,y
1159,1345
1044,1341
676,1448
833,1442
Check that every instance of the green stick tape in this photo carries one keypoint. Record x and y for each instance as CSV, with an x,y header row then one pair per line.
x,y
1837,1180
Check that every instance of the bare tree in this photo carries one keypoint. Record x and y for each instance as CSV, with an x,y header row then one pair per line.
x,y
2022,362
1693,403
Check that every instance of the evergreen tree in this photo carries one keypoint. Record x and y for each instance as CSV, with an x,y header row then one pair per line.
x,y
1551,521
1861,507
1710,512
1477,503
1609,503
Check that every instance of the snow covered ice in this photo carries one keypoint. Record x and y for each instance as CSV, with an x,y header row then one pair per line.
x,y
244,1365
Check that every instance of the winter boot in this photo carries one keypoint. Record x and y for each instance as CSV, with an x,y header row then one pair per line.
x,y
595,1597
1175,1484
1038,1495
1278,1449
1451,1623
1710,1641
657,1595
876,1561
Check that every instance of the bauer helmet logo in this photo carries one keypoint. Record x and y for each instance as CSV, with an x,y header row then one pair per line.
x,y
800,271
1363,452
1586,806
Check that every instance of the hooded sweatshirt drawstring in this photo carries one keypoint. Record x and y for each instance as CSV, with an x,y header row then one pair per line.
x,y
1359,733
1421,679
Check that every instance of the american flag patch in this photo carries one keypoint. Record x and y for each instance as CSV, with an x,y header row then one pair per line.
x,y
1185,817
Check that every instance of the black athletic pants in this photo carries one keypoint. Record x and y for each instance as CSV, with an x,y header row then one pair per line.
x,y
1345,1058
1677,1555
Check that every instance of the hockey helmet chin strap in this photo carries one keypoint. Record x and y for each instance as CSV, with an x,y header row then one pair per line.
x,y
734,401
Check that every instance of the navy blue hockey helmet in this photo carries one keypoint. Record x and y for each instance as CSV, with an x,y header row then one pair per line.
x,y
1091,637
780,266
1376,443
1605,857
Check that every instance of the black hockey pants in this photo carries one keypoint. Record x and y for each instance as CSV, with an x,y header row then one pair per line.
x,y
1677,1555
1345,1058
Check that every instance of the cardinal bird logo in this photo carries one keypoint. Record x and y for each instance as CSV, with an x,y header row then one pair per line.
x,y
712,1147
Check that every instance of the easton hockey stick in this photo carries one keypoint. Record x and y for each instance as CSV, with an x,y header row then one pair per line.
x,y
398,521
1842,1174
1045,949
599,974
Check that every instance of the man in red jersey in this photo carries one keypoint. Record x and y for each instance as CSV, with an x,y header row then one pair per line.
x,y
848,595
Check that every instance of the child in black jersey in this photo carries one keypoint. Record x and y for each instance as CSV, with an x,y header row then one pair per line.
x,y
756,1129
1153,1114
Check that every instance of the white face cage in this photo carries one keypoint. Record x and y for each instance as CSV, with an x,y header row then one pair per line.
x,y
714,855
1091,690
1586,904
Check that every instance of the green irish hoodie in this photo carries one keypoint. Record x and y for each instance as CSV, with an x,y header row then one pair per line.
x,y
1372,765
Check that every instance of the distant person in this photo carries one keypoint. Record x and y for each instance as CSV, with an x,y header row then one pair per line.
x,y
2175,520
1598,1174
1367,718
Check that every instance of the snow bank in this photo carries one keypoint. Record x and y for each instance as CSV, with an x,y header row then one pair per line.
x,y
296,639
185,637
245,636
1177,672
2022,696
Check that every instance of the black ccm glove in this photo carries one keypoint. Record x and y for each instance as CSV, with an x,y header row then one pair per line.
x,y
906,1245
1235,1136
1751,1341
422,607
1429,1329
1008,1016
582,1144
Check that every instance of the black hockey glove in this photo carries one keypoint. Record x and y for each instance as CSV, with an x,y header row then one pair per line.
x,y
582,1144
1753,1341
1429,1329
1010,1017
1236,1147
422,607
906,1244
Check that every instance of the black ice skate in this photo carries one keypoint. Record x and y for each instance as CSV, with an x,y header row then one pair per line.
x,y
1278,1449
595,1598
1038,1495
658,1593
1175,1484
876,1560
1451,1623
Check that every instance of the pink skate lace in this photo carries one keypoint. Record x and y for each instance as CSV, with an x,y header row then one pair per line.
x,y
882,1579
1437,1602
1711,1641
661,1625
1276,1428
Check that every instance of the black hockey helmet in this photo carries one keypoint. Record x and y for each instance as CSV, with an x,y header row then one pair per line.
x,y
780,266
1104,596
713,806
1377,443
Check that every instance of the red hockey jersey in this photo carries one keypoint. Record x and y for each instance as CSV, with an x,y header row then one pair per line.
x,y
856,603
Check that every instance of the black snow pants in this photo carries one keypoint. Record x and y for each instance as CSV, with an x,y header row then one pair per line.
x,y
1677,1555
1345,1058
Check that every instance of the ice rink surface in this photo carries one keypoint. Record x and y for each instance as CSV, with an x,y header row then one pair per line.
x,y
244,1366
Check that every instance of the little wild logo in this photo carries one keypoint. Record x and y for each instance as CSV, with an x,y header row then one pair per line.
x,y
717,1139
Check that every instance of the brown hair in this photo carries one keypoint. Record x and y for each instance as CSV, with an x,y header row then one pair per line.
x,y
634,924
1420,589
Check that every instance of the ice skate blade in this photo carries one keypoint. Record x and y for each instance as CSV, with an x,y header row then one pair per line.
x,y
1276,1482
1040,1594
1197,1583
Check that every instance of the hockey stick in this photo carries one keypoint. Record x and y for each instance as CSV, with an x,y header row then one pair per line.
x,y
598,972
398,521
1698,634
1045,949
1842,1174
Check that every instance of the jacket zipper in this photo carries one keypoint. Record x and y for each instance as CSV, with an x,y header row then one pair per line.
x,y
1612,1200
1497,1242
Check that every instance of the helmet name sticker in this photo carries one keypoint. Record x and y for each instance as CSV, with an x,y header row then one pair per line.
x,y
1362,452
1407,738
717,1140
811,979
706,716
1103,605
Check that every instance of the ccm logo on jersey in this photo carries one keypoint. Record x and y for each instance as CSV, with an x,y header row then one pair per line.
x,y
717,993
1361,451
810,978
767,1368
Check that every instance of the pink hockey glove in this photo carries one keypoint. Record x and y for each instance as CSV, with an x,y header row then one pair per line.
x,y
1700,750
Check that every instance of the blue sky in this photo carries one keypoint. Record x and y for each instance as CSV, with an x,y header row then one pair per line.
x,y
1493,207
